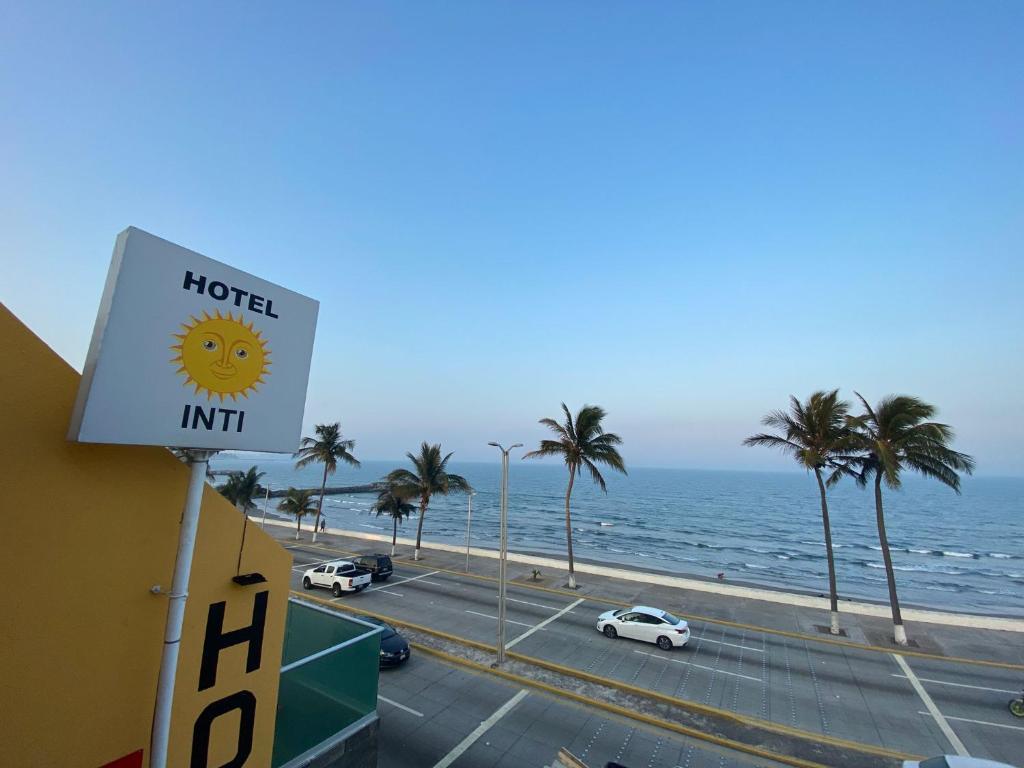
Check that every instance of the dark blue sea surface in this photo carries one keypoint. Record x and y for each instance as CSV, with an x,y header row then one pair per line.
x,y
951,552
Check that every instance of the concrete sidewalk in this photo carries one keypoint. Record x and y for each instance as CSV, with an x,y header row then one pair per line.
x,y
934,632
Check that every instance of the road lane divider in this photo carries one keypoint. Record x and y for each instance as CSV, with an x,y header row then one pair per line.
x,y
495,618
959,685
410,710
543,624
978,722
400,581
712,670
623,712
933,710
480,730
691,706
850,644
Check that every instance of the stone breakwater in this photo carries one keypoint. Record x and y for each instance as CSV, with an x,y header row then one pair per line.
x,y
333,490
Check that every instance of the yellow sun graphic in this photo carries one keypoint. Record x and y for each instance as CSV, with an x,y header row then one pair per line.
x,y
222,355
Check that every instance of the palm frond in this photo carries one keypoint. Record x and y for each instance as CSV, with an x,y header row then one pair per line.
x,y
595,474
549,448
555,427
583,442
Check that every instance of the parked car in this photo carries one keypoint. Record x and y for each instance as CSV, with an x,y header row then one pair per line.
x,y
394,649
644,623
339,576
954,761
379,566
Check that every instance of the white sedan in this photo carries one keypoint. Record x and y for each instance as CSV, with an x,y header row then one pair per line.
x,y
643,623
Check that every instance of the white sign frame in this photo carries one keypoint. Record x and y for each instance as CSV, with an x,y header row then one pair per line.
x,y
190,352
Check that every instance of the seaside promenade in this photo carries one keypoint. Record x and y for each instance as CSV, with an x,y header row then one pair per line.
x,y
759,671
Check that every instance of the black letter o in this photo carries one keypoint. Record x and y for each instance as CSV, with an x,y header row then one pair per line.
x,y
217,290
245,702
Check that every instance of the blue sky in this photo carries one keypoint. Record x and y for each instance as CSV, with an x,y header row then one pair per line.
x,y
683,212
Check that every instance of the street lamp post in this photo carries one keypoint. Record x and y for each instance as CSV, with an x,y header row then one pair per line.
x,y
503,548
469,522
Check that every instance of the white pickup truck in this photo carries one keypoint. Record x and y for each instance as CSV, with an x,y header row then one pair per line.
x,y
339,576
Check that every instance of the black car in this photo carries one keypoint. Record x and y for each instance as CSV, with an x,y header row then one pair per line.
x,y
394,649
379,566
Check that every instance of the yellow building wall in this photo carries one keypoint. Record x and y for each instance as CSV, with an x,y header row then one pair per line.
x,y
86,531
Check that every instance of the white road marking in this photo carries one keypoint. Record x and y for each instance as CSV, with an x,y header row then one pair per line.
x,y
979,722
535,605
958,685
403,581
722,642
933,710
507,621
307,566
544,623
400,706
435,583
388,592
480,730
701,666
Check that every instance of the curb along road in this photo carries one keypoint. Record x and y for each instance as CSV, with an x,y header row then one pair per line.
x,y
721,622
764,594
746,734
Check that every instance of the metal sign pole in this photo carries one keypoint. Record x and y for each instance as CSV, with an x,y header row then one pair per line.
x,y
198,461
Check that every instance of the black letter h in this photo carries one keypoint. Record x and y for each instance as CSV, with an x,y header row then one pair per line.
x,y
217,639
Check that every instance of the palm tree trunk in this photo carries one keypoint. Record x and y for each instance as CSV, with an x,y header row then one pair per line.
x,y
832,594
320,506
394,534
568,526
424,500
298,526
899,633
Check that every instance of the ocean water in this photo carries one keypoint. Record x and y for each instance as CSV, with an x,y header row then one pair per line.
x,y
952,552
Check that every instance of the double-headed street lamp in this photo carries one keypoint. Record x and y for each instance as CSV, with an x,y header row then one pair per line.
x,y
503,547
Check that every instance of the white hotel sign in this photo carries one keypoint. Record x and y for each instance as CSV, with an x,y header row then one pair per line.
x,y
190,352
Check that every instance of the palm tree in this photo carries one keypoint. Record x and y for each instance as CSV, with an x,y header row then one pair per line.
x,y
391,502
229,489
241,488
430,477
581,443
326,448
895,435
815,433
298,502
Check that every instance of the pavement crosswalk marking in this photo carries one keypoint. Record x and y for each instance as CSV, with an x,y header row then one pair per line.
x,y
933,710
480,730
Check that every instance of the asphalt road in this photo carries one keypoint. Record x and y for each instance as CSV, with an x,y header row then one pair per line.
x,y
436,714
914,705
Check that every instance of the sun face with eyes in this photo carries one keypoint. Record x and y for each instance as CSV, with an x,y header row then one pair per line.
x,y
222,355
